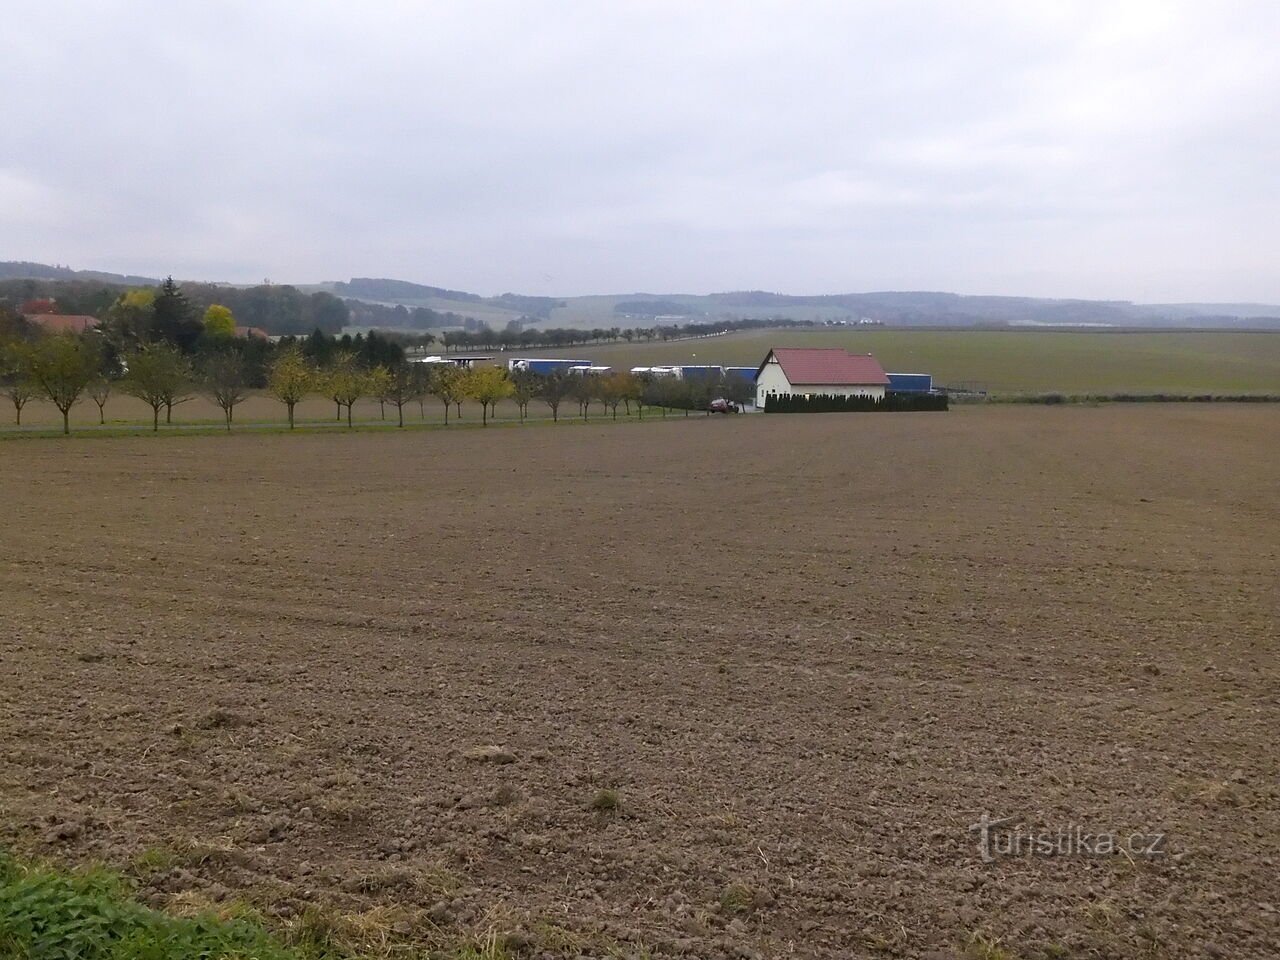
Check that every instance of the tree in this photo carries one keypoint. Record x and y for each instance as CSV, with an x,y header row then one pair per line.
x,y
487,385
739,390
223,376
552,391
524,387
403,385
130,321
421,381
583,389
446,386
172,319
380,383
637,391
662,392
157,375
99,392
345,382
62,366
612,390
219,322
15,377
291,379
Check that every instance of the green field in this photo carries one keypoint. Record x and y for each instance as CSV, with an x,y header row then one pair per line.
x,y
999,361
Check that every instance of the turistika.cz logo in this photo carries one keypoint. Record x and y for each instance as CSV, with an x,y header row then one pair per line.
x,y
1006,837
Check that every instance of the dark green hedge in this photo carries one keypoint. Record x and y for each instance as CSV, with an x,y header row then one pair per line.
x,y
828,403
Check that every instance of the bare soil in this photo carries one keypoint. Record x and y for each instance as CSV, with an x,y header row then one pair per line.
x,y
730,686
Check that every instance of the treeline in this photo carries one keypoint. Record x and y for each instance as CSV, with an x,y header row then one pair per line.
x,y
156,347
654,308
361,314
370,288
518,337
160,346
276,309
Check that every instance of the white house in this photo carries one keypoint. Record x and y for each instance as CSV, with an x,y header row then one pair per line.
x,y
807,372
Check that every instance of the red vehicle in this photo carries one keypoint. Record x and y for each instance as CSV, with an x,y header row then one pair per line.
x,y
721,405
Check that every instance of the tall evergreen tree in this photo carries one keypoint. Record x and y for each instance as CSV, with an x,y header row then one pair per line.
x,y
174,320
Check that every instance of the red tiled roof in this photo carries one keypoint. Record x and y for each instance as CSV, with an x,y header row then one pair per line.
x,y
827,366
251,332
58,323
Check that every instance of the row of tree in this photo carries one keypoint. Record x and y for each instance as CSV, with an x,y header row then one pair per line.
x,y
65,368
520,336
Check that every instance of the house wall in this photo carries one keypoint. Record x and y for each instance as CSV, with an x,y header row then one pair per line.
x,y
771,380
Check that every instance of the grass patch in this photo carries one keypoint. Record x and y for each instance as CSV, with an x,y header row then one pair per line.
x,y
606,801
984,947
48,913
737,900
89,915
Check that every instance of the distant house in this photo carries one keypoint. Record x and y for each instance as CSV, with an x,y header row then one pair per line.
x,y
456,360
247,332
810,372
61,323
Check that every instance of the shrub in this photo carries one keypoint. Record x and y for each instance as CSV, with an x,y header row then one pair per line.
x,y
834,403
606,801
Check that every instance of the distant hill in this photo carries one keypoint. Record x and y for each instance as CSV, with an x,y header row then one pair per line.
x,y
377,289
389,302
24,270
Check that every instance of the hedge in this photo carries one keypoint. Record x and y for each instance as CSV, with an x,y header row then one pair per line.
x,y
831,403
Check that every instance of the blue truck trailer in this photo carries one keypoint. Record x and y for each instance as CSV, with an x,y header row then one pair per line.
x,y
910,382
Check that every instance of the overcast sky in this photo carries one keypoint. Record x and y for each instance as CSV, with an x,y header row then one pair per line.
x,y
1115,149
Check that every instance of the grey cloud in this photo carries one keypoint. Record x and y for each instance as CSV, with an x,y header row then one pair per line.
x,y
1090,149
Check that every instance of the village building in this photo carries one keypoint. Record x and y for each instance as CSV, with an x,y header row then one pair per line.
x,y
819,371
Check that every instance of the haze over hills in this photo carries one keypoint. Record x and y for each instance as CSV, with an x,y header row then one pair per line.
x,y
902,308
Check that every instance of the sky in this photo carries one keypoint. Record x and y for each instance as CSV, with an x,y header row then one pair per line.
x,y
1127,149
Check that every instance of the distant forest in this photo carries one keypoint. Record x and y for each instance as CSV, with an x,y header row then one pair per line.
x,y
276,309
399,304
368,288
654,308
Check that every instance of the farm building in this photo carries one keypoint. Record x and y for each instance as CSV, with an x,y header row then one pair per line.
x,y
59,323
700,371
657,371
746,373
458,361
910,382
809,372
543,366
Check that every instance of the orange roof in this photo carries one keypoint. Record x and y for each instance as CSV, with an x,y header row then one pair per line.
x,y
59,323
251,332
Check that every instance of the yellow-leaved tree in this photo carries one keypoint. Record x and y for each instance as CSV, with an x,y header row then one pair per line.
x,y
291,379
487,385
219,321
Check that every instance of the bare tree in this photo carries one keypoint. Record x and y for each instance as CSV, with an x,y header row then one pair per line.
x,y
552,391
524,387
100,392
223,376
